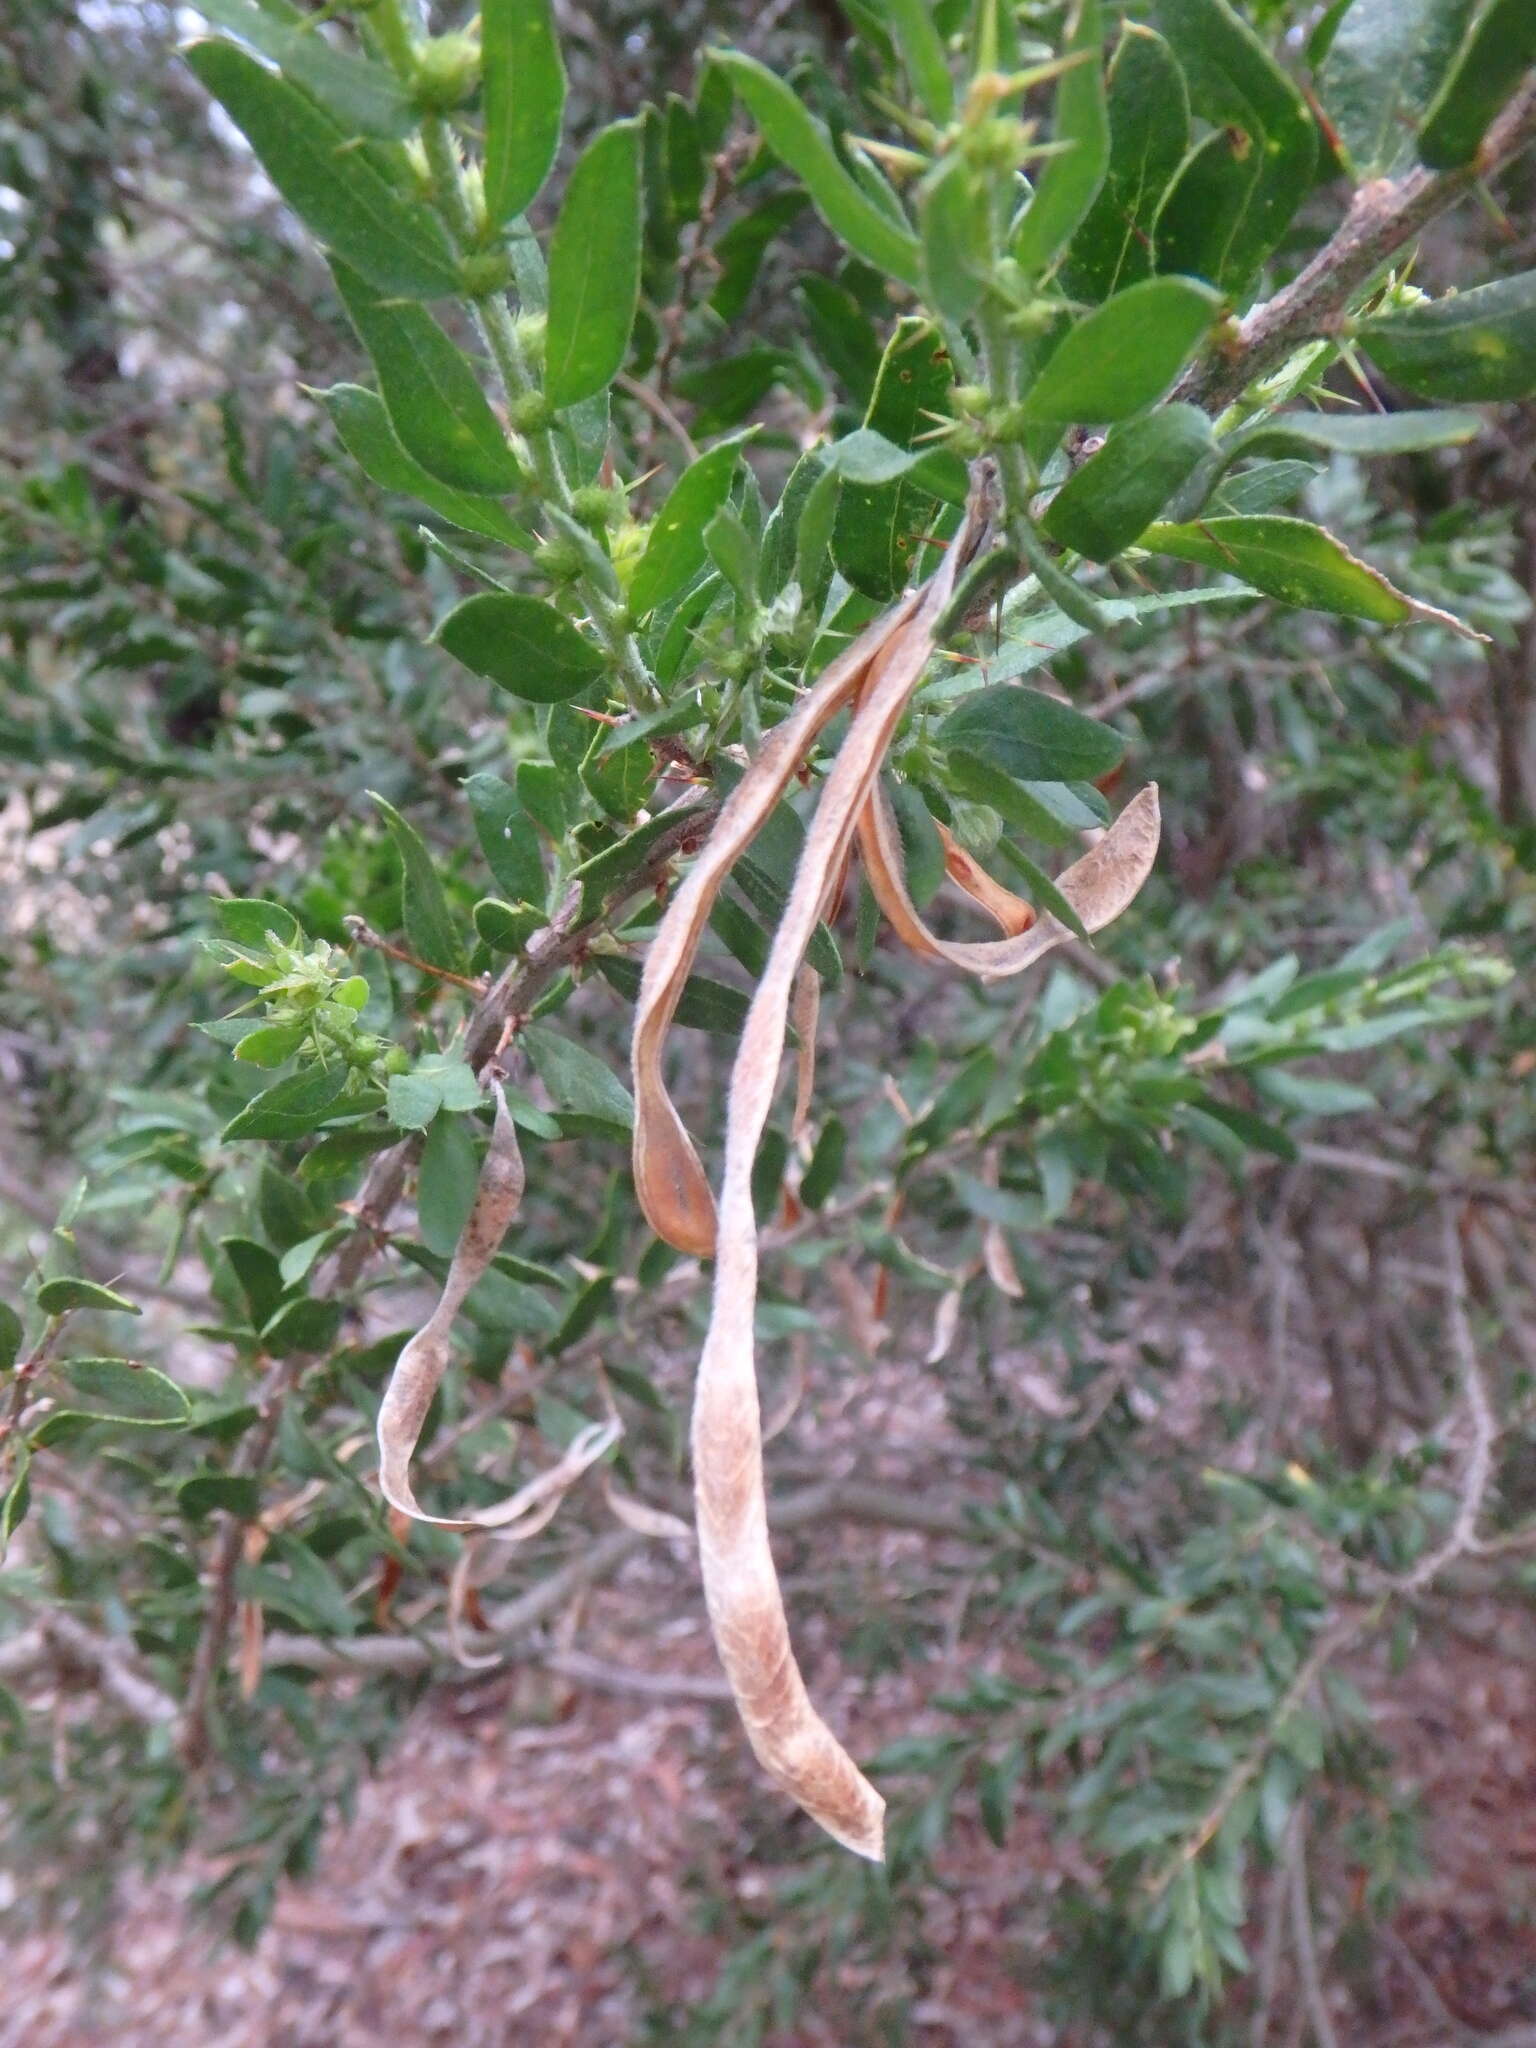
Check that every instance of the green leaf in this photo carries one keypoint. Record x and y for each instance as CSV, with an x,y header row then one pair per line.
x,y
579,1083
1032,737
675,550
412,1100
445,1187
436,407
506,927
132,1396
292,1108
1235,83
1104,506
704,1005
1069,184
429,929
922,51
879,522
1148,109
334,187
523,100
1043,892
302,1327
1290,559
620,778
259,1274
365,97
1383,67
508,837
1124,355
801,143
1365,434
361,420
247,921
922,850
826,1163
1488,68
594,268
58,1297
1046,810
953,211
237,1493
18,1497
522,644
602,877
1479,344
10,1336
271,1045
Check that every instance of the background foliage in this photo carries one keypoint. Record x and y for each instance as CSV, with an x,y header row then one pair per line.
x,y
425,463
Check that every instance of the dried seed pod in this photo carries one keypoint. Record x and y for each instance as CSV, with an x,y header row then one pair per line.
x,y
420,1367
669,1180
1099,886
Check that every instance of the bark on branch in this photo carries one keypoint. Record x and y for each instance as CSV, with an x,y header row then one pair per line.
x,y
1385,215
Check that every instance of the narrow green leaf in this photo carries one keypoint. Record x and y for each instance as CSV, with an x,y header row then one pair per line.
x,y
1235,83
523,99
1032,737
362,421
18,1498
594,268
675,549
436,407
10,1336
953,212
1069,184
705,1005
1124,355
601,877
1289,559
522,644
922,51
800,141
366,98
508,838
1053,818
291,1108
1043,892
429,928
388,237
1489,66
1364,433
821,1176
1384,66
1104,506
1479,344
1148,108
237,1493
57,1297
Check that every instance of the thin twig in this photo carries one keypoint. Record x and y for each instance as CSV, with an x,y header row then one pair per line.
x,y
363,932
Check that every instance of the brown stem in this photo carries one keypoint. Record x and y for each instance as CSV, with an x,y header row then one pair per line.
x,y
1383,216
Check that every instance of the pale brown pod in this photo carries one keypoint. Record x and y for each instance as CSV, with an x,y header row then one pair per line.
x,y
420,1367
671,1184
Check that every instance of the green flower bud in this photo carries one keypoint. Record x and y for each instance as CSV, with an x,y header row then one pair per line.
x,y
485,272
531,412
598,505
447,73
560,559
